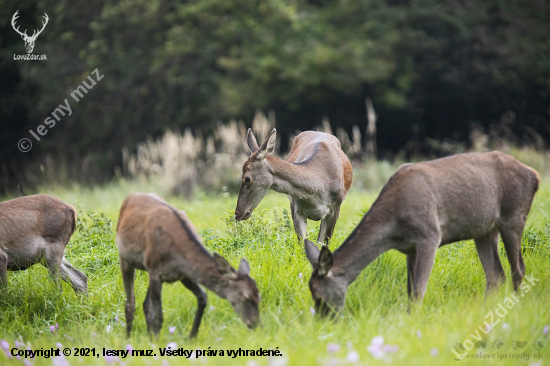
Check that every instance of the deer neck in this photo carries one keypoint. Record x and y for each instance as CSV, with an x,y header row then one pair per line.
x,y
210,277
367,242
289,178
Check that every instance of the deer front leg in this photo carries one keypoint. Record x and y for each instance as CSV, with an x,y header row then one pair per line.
x,y
3,270
152,307
128,275
327,226
300,226
201,304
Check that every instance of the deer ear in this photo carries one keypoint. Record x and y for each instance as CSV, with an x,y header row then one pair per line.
x,y
325,261
251,141
244,268
312,252
223,266
268,146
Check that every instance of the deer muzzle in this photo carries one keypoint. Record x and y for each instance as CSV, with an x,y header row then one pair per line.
x,y
242,215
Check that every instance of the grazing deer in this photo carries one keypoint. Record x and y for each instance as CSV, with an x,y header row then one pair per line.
x,y
158,238
316,178
426,205
37,229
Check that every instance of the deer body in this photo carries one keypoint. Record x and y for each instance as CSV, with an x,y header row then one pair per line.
x,y
316,178
425,205
37,229
158,238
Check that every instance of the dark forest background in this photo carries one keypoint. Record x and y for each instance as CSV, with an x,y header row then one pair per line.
x,y
433,70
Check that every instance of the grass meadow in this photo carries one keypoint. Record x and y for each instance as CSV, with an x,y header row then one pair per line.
x,y
454,307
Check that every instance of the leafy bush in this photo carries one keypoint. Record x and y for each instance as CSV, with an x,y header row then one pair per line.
x,y
536,241
257,231
93,249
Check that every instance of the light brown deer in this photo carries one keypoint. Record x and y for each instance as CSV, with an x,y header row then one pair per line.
x,y
426,205
36,229
158,238
316,178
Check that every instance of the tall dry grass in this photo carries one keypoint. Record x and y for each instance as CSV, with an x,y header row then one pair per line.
x,y
532,151
183,162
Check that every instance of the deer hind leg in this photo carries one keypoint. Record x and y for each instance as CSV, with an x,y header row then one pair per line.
x,y
487,250
53,255
71,275
201,304
147,309
128,276
411,265
329,225
300,226
425,259
511,237
300,222
3,270
152,307
322,232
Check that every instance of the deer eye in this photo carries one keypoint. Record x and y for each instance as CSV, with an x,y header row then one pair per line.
x,y
247,180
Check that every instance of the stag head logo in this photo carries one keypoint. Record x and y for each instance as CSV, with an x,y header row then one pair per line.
x,y
29,40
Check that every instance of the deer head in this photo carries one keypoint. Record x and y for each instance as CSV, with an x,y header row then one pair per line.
x,y
256,179
29,41
327,288
241,290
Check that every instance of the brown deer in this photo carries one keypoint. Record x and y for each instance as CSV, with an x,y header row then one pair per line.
x,y
426,205
36,229
158,238
316,178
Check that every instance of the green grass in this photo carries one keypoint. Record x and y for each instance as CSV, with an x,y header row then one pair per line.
x,y
454,305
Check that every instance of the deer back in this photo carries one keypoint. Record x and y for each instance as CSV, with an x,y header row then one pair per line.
x,y
152,234
461,196
37,215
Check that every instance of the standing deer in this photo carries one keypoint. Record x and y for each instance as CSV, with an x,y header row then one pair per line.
x,y
158,238
316,178
37,229
29,41
426,205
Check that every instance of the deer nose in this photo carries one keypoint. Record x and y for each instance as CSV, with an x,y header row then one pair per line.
x,y
242,216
